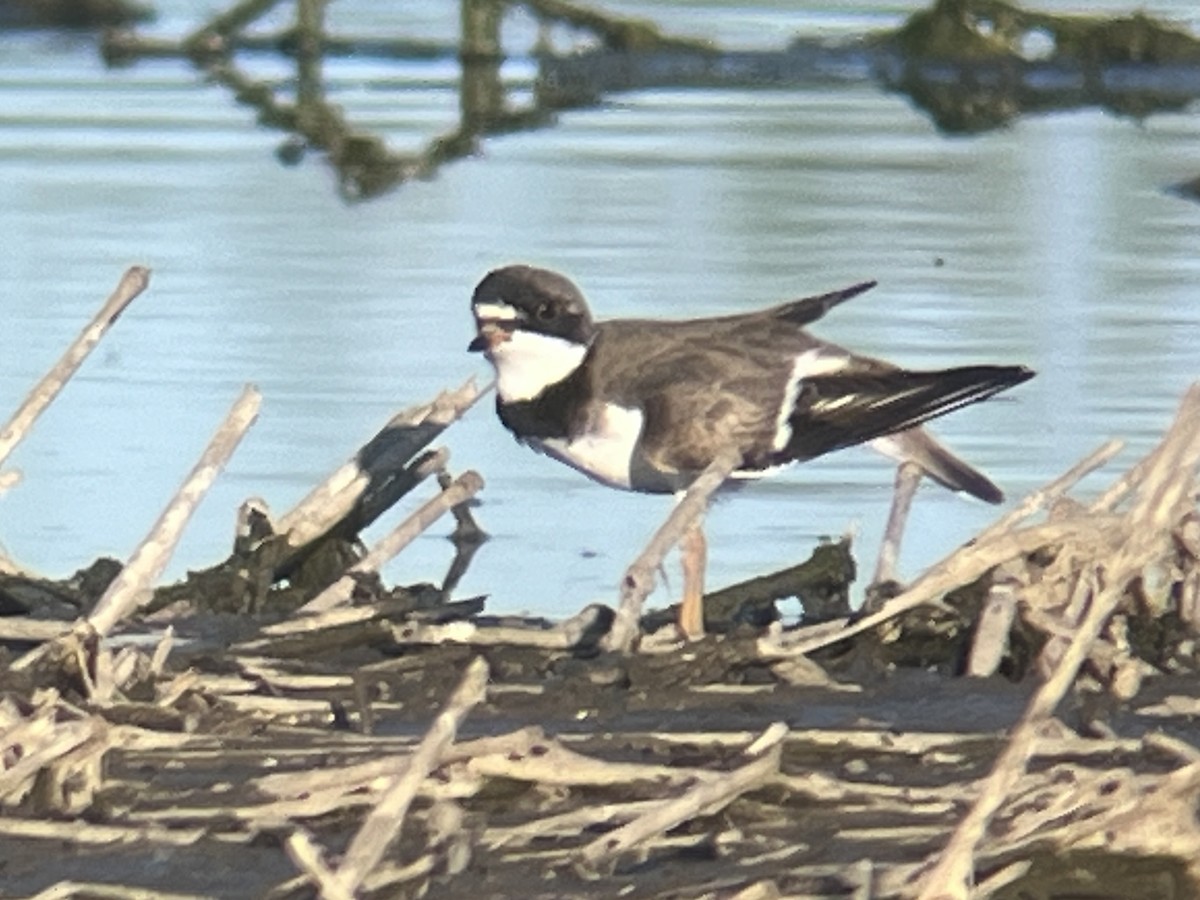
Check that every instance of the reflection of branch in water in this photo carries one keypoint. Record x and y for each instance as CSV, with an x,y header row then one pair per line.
x,y
972,65
467,538
365,164
37,14
615,32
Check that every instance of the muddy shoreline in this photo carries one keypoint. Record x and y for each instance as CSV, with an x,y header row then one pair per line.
x,y
878,765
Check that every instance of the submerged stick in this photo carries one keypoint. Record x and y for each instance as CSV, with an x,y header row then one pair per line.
x,y
133,586
384,822
338,593
133,282
639,577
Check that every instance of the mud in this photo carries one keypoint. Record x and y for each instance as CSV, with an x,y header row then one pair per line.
x,y
885,740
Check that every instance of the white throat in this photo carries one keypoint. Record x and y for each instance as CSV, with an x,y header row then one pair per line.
x,y
528,363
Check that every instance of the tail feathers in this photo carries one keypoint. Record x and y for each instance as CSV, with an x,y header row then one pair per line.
x,y
919,447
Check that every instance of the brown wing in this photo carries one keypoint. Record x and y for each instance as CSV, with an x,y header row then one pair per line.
x,y
699,384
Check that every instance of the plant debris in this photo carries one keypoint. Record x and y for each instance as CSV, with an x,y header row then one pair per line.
x,y
1021,719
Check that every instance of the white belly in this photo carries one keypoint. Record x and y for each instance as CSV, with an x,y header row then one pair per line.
x,y
605,451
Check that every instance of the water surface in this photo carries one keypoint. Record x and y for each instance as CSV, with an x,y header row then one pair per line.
x,y
1051,243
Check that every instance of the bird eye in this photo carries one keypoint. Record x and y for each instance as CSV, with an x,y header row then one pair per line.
x,y
544,312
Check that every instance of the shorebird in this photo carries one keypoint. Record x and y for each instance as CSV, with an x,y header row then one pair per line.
x,y
645,405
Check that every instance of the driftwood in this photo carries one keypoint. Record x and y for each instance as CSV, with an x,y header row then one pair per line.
x,y
376,464
338,593
314,548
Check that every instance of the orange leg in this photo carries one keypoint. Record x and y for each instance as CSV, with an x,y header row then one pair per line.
x,y
693,551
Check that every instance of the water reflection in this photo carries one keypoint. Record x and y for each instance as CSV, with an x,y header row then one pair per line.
x,y
972,66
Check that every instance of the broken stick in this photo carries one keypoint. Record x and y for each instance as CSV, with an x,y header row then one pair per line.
x,y
339,593
707,797
132,283
384,822
639,577
133,586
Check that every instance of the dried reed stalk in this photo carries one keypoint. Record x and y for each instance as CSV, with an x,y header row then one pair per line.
x,y
639,577
1167,485
133,586
385,820
133,282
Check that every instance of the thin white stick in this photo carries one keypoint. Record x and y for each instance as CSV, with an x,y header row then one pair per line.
x,y
133,282
639,577
132,587
384,822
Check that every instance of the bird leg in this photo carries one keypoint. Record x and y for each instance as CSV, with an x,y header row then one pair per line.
x,y
908,476
693,551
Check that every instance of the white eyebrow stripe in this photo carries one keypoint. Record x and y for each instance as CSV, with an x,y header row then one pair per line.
x,y
492,312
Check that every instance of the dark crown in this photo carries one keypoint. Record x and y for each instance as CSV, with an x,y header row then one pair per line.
x,y
544,301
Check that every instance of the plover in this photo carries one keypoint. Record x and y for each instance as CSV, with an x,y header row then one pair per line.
x,y
645,405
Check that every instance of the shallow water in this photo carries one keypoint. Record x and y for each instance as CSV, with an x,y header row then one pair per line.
x,y
1051,243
